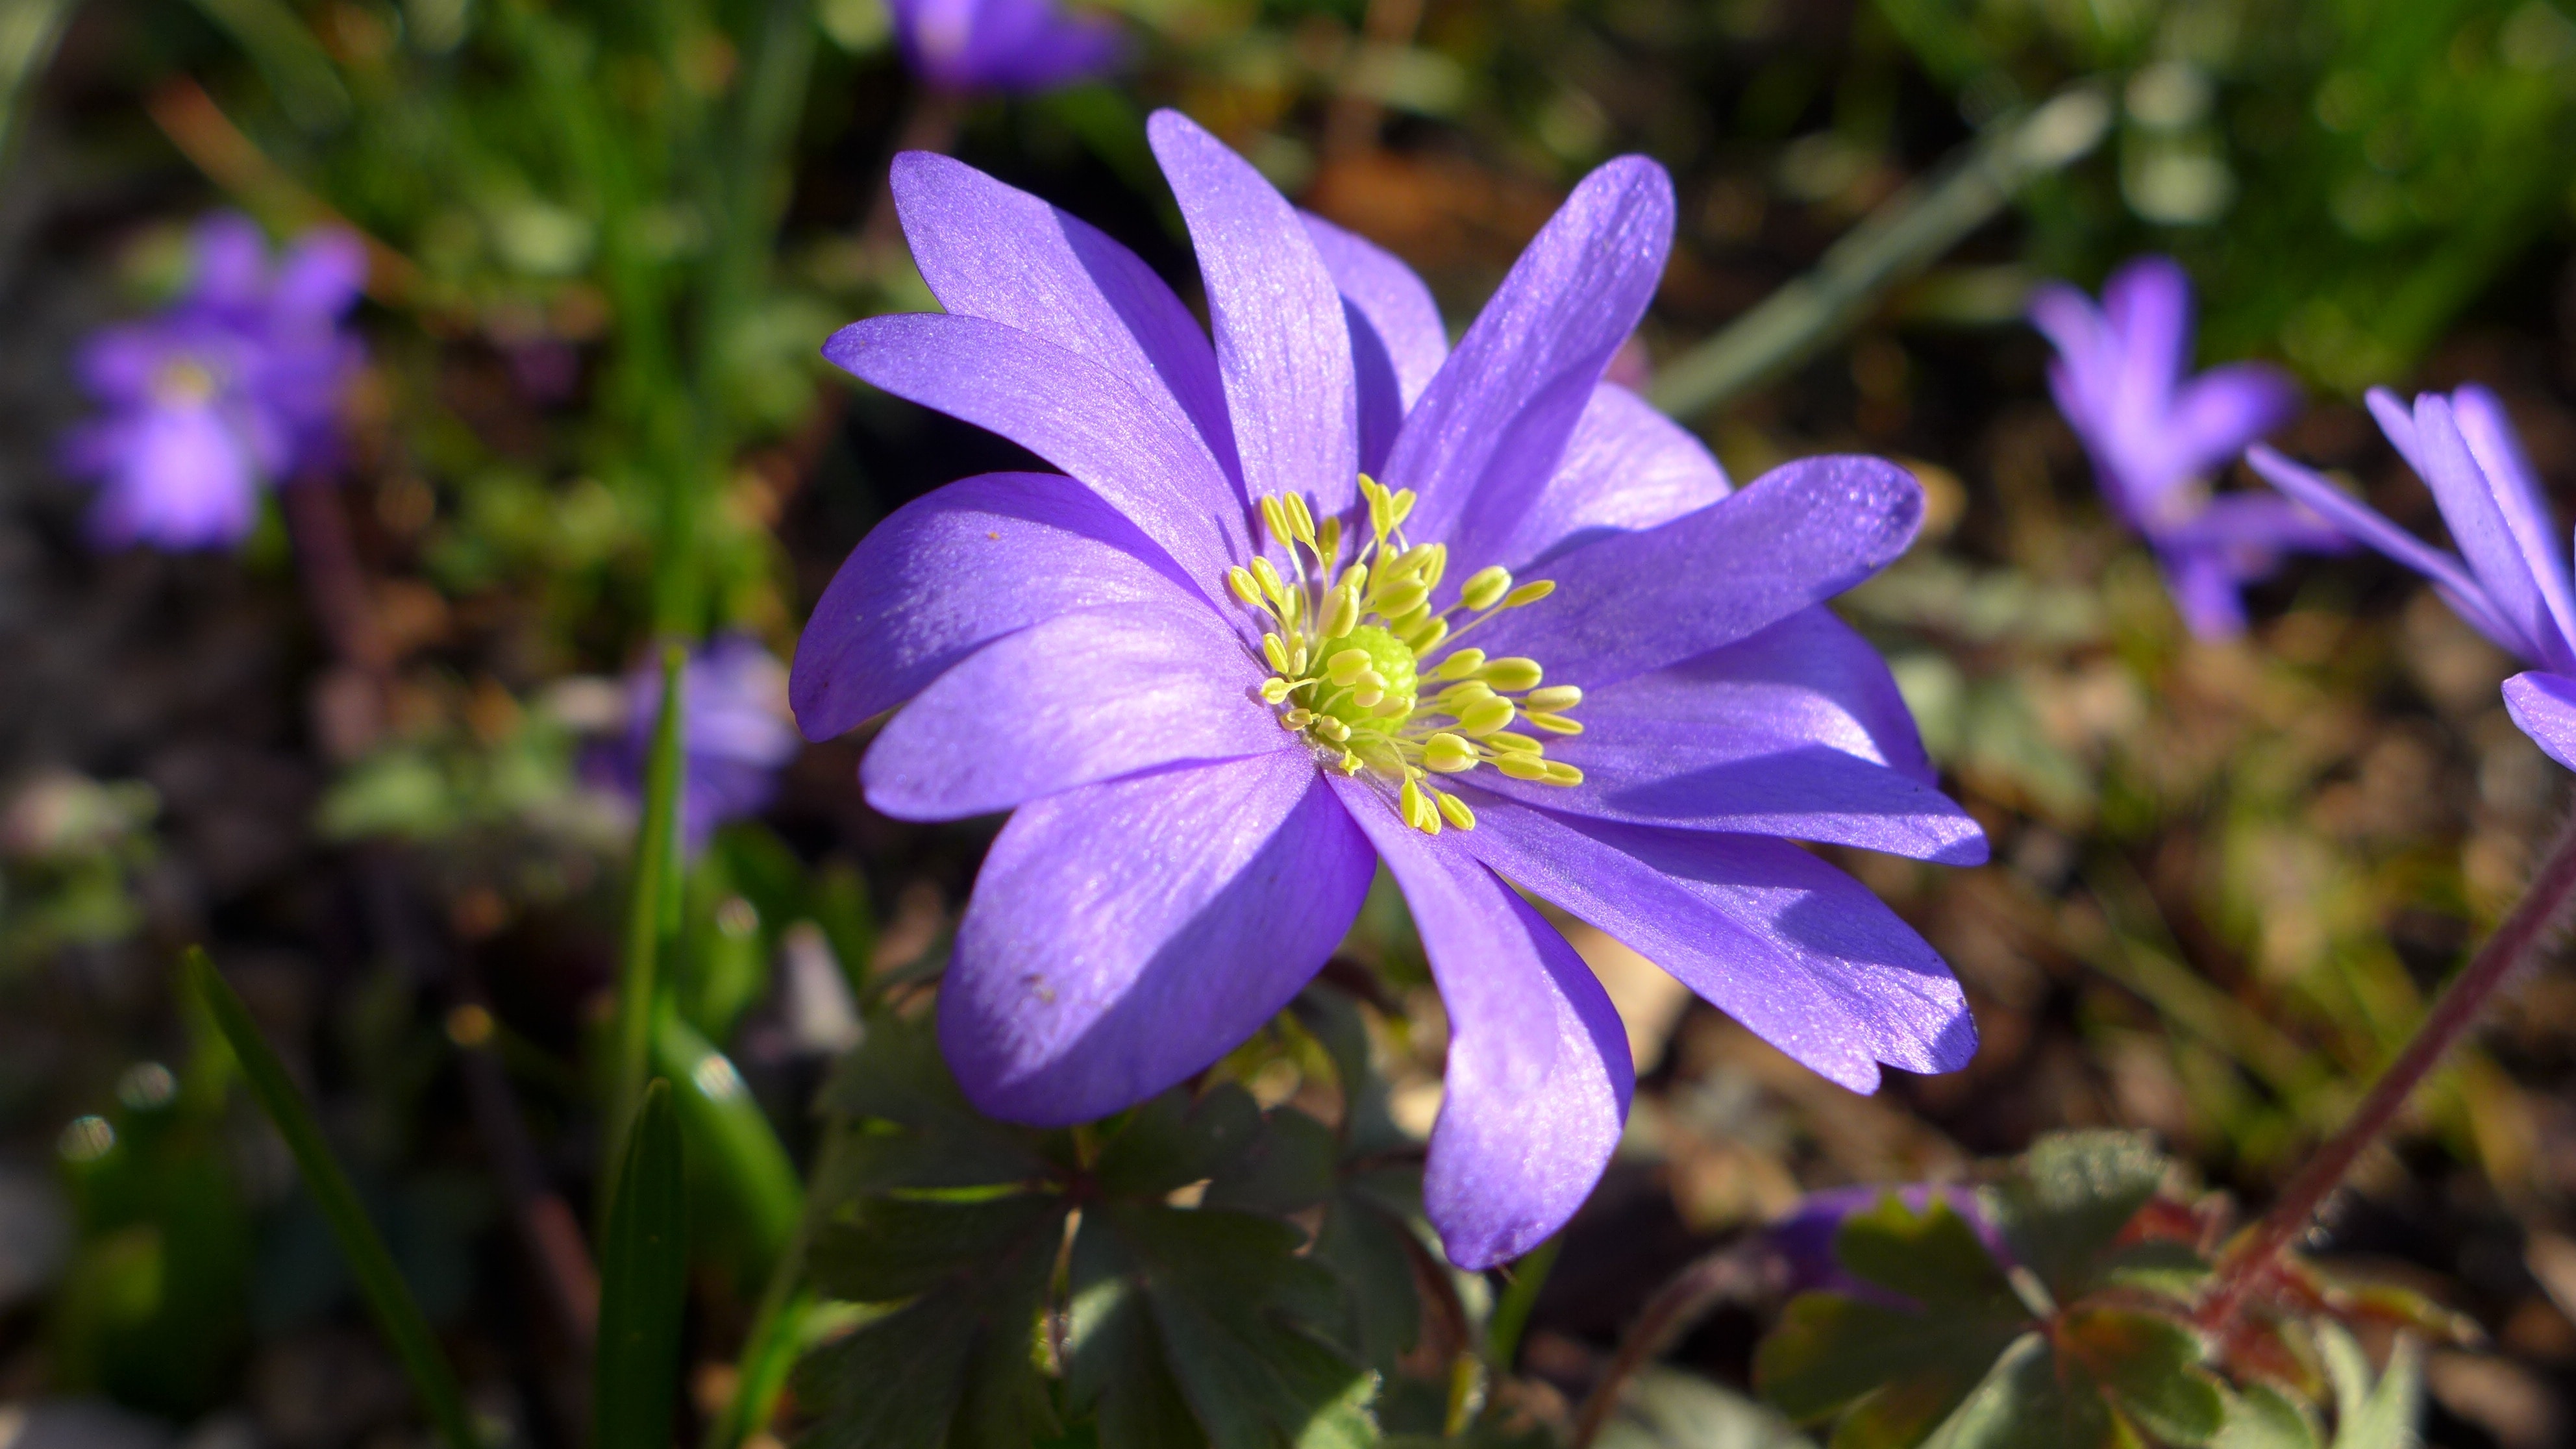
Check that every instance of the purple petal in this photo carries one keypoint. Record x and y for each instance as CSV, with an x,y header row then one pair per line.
x,y
117,364
2543,706
2147,307
1539,1075
2254,524
231,262
1070,410
1085,696
184,482
1794,949
993,251
2206,590
1397,342
1060,50
1124,936
1802,533
949,572
1281,342
2515,487
1627,467
2364,524
2474,511
1490,428
321,277
2398,422
2074,326
1016,45
2217,413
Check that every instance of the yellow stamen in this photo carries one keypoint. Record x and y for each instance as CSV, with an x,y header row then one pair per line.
x,y
1456,809
1485,586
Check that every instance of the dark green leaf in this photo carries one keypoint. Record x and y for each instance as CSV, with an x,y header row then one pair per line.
x,y
919,1131
643,1284
2030,1401
2069,1198
1285,1169
1933,1258
883,1249
1172,1142
1367,1248
2150,1366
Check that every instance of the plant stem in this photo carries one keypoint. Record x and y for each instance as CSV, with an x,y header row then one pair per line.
x,y
1906,233
656,888
2526,930
1727,1273
1511,1315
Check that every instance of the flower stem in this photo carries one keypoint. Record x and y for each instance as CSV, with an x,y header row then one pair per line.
x,y
2526,930
1733,1272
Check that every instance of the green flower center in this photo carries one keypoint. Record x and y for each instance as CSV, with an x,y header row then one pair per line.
x,y
1352,652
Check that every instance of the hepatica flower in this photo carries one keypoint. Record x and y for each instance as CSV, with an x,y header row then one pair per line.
x,y
236,384
1329,593
1004,45
735,734
2156,436
2514,585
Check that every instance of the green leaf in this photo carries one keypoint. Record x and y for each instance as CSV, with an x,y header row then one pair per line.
x,y
919,1130
742,1156
2069,1198
653,899
2262,1417
1173,1142
2030,1401
1934,1258
2378,1411
396,1311
2150,1366
1666,1408
643,1284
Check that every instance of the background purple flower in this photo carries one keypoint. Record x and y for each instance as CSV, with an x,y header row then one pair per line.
x,y
2514,587
735,733
2155,437
236,384
1004,45
1192,839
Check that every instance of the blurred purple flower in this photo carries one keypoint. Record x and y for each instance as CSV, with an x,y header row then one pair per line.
x,y
735,734
2155,437
1211,739
235,385
2514,587
1020,46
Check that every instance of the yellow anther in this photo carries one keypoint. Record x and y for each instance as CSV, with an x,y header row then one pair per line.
x,y
1298,718
1411,619
1460,664
1529,593
1554,697
1274,690
1328,541
1347,666
1417,809
1448,754
1350,763
1487,715
1240,581
1403,598
1438,565
1301,519
1424,637
1332,729
1458,696
1367,695
1355,578
1556,724
1269,578
1394,706
1456,809
1273,517
1484,586
1400,507
1521,766
1511,743
1512,674
1561,773
1341,614
1275,649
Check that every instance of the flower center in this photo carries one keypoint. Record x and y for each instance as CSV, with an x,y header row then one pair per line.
x,y
1352,654
183,382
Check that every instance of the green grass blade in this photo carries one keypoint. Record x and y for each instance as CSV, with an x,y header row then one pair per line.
x,y
643,1283
652,910
382,1284
723,1120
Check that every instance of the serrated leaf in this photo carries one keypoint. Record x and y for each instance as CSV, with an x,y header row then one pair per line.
x,y
1932,1258
1286,1169
884,1249
1236,1309
2260,1416
918,1129
1115,1370
2068,1198
2373,1411
2150,1367
1382,1305
2164,1267
2030,1401
901,1381
1903,1371
1171,1142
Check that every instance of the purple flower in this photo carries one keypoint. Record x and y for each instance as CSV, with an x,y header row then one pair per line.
x,y
735,734
2514,586
235,385
1005,45
1220,672
2155,437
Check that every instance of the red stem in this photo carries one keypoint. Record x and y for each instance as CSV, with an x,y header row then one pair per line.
x,y
2516,942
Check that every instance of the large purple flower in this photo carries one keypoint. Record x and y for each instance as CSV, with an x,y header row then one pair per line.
x,y
1003,45
2155,437
2514,587
235,385
735,733
1220,672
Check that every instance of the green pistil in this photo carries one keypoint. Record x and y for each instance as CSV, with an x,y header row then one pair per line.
x,y
1354,651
